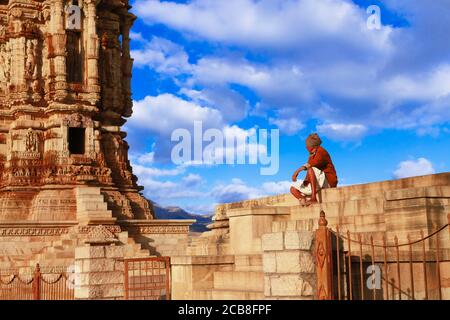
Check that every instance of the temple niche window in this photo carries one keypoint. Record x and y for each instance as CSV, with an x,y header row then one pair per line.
x,y
76,141
74,46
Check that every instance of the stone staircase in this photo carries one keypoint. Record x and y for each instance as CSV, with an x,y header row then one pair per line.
x,y
62,252
92,207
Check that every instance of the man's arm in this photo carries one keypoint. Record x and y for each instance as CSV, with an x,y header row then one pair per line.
x,y
296,173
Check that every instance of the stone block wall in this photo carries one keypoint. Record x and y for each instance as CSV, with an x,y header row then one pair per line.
x,y
288,265
100,272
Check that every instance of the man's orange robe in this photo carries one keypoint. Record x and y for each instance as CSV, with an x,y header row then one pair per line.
x,y
321,160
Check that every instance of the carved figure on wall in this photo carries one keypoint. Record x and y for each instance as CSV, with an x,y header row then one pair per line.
x,y
108,60
31,141
5,64
30,67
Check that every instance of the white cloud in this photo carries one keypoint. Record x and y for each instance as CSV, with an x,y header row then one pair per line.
x,y
315,53
342,132
192,180
202,209
279,187
231,104
162,55
137,36
411,168
164,192
238,190
145,158
429,86
289,126
164,113
279,84
143,171
264,23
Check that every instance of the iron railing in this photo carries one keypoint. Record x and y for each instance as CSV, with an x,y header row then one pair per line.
x,y
350,269
35,285
147,278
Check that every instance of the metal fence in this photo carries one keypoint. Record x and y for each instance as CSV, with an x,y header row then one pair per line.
x,y
350,268
147,278
35,285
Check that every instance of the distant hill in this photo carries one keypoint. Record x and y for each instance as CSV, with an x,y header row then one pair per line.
x,y
178,213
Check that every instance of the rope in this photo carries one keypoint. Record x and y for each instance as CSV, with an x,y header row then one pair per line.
x,y
13,277
58,277
393,245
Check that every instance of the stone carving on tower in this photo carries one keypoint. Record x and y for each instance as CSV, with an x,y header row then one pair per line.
x,y
65,77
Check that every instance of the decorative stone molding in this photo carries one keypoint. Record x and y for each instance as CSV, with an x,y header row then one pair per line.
x,y
11,232
29,229
113,229
100,235
156,226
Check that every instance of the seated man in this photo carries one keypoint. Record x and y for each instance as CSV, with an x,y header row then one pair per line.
x,y
320,173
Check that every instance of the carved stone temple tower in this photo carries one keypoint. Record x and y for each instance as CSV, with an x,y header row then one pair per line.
x,y
65,74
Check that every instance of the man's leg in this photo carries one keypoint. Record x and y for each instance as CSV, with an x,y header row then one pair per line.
x,y
296,193
313,181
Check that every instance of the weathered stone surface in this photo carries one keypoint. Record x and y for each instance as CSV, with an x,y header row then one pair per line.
x,y
290,285
267,288
101,278
114,252
272,241
306,263
288,262
301,240
98,265
269,262
89,252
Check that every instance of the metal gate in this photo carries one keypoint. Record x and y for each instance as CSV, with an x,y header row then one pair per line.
x,y
352,268
36,285
147,278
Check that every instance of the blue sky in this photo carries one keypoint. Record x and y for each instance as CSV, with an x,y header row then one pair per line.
x,y
380,99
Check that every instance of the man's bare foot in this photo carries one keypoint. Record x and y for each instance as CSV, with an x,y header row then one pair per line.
x,y
310,202
302,202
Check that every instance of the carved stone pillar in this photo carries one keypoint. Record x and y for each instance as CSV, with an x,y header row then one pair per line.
x,y
17,48
59,46
92,52
127,64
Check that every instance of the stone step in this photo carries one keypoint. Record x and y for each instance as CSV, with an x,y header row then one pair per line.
x,y
218,294
90,197
95,213
123,236
239,280
91,205
87,191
